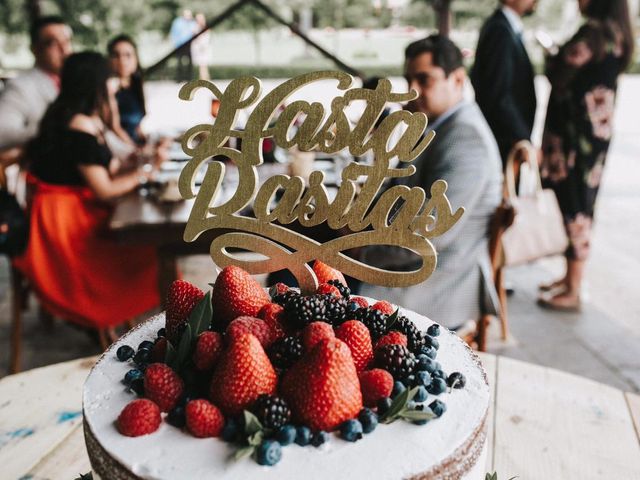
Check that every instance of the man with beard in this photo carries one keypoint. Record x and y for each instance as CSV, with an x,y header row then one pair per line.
x,y
502,75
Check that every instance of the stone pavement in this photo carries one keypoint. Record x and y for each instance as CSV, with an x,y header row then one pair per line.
x,y
602,342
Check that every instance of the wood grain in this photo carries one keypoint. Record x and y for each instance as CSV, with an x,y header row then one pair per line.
x,y
551,424
67,461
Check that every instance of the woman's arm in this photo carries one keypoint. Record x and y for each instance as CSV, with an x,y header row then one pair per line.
x,y
108,188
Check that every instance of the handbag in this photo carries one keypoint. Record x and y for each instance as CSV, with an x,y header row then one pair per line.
x,y
538,229
14,225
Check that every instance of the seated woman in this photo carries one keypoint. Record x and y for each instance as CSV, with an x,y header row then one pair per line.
x,y
77,272
123,59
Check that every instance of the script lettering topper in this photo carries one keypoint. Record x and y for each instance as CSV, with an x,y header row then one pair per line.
x,y
401,216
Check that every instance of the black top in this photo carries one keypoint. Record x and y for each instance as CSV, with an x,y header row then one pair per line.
x,y
58,162
502,77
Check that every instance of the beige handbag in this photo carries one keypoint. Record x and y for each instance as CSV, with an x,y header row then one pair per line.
x,y
538,229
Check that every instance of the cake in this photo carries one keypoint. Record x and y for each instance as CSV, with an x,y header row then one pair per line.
x,y
451,445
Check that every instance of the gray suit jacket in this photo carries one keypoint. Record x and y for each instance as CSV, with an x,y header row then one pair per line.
x,y
465,154
22,105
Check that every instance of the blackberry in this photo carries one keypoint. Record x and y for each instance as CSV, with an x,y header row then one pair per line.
x,y
396,359
284,352
273,412
301,311
416,339
374,320
342,288
337,312
283,299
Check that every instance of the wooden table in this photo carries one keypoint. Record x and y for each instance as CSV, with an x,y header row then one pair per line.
x,y
544,424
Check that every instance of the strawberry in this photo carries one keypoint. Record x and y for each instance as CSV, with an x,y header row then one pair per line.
x,y
375,384
159,351
162,385
357,337
242,374
208,350
322,388
273,315
362,303
139,417
278,289
181,299
203,419
315,332
384,307
324,273
328,289
236,293
392,338
258,328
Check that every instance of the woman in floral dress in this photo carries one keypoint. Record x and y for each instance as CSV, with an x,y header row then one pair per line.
x,y
584,77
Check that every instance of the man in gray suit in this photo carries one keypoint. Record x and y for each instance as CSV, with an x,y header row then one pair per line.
x,y
465,154
26,97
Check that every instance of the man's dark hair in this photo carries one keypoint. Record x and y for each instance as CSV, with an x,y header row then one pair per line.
x,y
446,54
41,22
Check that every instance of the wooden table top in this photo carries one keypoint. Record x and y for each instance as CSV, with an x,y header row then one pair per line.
x,y
544,424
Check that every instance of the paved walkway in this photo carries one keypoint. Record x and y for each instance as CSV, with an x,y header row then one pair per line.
x,y
601,343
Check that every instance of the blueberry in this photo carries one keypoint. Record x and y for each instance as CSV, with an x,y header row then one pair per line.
x,y
162,332
286,435
420,422
433,341
137,386
176,417
456,380
438,386
368,419
230,430
124,353
423,378
146,345
319,438
132,375
429,351
439,373
353,306
351,430
409,381
383,405
411,405
434,330
303,436
269,453
421,395
142,357
398,388
438,407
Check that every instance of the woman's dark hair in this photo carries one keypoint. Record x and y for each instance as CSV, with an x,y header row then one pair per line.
x,y
615,14
83,90
137,80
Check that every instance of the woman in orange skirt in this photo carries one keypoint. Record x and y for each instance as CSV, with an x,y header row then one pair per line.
x,y
78,273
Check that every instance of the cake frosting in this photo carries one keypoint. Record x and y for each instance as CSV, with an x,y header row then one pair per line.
x,y
450,447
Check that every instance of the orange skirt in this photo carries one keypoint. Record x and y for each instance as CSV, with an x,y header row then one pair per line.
x,y
77,272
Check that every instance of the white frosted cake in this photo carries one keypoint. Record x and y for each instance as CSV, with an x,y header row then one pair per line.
x,y
450,447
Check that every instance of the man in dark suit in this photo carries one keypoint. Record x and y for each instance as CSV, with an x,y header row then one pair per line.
x,y
502,75
465,155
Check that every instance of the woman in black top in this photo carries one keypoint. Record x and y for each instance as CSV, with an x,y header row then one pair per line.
x,y
584,79
123,59
78,273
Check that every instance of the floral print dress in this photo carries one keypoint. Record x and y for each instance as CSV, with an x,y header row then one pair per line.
x,y
578,128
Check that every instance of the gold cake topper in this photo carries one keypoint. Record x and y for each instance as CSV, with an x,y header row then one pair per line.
x,y
370,219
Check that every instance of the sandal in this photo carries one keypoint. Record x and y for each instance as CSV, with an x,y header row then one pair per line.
x,y
548,287
561,302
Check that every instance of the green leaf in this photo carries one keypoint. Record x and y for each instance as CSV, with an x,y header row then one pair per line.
x,y
417,415
200,316
170,356
398,404
393,318
256,438
251,423
243,452
184,349
491,476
